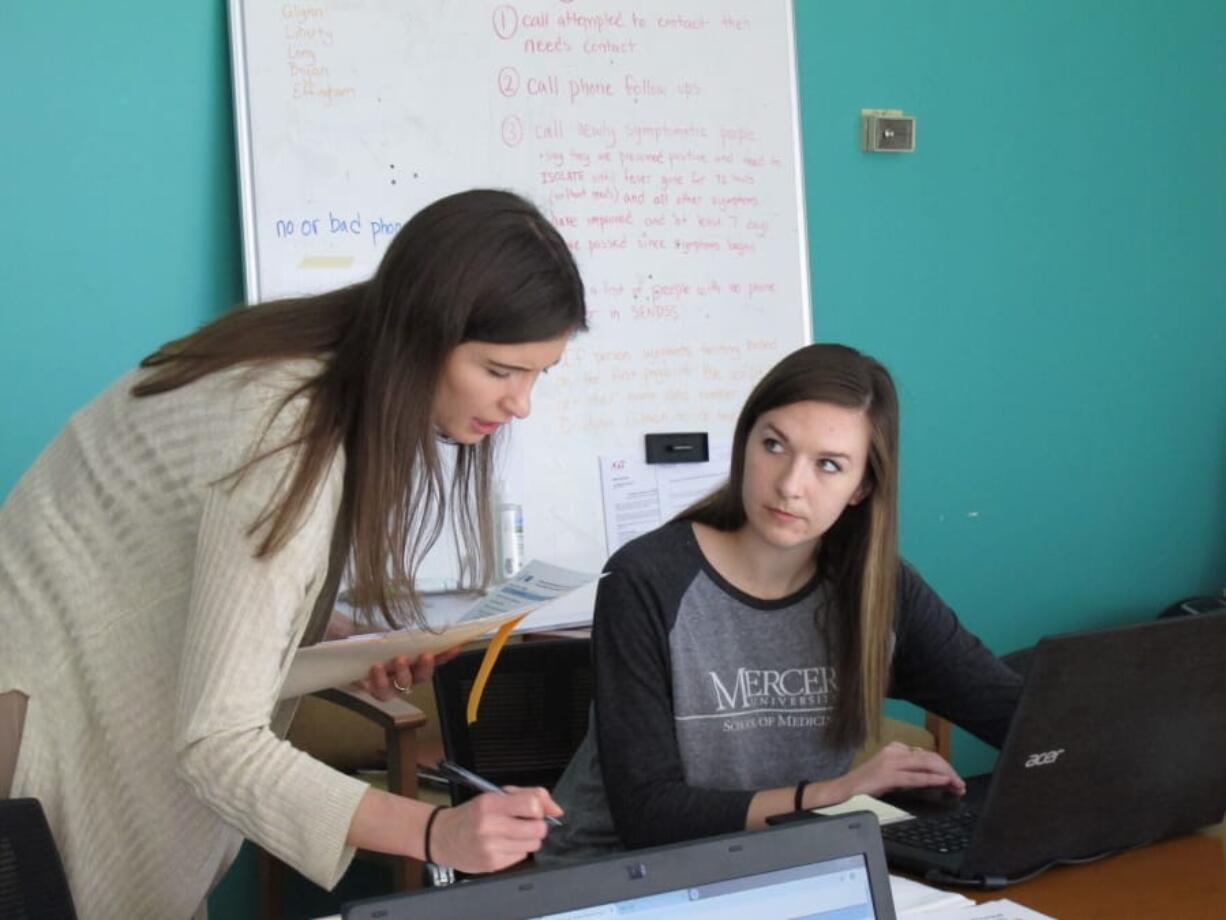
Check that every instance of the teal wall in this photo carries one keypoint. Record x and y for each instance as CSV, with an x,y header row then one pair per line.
x,y
120,210
119,215
1044,275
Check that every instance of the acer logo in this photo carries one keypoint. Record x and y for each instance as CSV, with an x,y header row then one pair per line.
x,y
1043,759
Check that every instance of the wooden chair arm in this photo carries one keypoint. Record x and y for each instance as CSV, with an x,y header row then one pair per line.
x,y
942,732
396,714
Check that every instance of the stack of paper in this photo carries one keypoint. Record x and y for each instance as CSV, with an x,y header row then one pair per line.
x,y
923,902
911,898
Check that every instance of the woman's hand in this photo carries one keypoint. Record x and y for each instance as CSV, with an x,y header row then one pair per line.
x,y
897,766
492,831
391,678
388,678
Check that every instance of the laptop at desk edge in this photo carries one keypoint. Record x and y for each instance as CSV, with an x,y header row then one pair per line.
x,y
837,862
1119,740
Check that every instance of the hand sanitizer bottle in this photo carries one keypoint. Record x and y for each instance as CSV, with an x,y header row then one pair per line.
x,y
509,525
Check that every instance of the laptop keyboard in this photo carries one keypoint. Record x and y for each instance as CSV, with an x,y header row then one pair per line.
x,y
946,833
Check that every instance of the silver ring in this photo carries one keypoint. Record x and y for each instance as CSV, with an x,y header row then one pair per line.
x,y
397,685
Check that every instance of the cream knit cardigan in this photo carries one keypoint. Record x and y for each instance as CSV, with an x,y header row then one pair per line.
x,y
152,646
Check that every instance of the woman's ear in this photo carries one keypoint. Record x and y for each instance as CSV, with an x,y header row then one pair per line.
x,y
864,490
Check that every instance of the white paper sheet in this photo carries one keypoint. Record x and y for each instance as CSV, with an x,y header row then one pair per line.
x,y
638,496
885,812
1000,909
331,664
912,898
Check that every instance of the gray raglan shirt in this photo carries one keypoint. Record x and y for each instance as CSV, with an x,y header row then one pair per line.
x,y
705,695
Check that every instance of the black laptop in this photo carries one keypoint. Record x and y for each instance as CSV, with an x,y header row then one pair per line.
x,y
832,869
1119,740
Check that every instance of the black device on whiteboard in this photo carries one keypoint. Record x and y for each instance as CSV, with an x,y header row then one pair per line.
x,y
686,447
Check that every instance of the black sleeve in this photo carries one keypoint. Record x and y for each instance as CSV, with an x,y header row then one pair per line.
x,y
945,669
639,758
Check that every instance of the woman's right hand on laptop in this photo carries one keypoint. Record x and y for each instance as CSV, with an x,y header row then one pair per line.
x,y
899,766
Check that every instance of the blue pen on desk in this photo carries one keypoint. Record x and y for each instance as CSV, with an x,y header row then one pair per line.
x,y
457,774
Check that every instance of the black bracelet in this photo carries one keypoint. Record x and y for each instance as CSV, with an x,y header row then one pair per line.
x,y
798,799
430,827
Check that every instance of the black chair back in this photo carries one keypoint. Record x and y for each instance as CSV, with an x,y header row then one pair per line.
x,y
533,714
32,881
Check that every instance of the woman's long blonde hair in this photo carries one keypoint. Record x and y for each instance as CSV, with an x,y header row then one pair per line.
x,y
481,265
858,555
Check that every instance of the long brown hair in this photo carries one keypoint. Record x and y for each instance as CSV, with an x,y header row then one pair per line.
x,y
858,555
481,266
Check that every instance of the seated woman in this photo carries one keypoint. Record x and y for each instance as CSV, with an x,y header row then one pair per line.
x,y
743,650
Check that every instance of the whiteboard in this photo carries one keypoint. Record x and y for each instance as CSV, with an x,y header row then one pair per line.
x,y
662,139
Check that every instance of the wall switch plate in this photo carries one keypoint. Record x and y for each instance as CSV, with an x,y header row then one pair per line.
x,y
887,131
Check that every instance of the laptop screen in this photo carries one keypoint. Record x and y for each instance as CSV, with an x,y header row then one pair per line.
x,y
833,869
837,889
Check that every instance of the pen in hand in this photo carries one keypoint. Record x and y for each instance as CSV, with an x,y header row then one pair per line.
x,y
457,774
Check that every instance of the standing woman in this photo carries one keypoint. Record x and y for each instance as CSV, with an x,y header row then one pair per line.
x,y
166,554
742,651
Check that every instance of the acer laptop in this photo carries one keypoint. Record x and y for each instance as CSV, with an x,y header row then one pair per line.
x,y
824,870
1119,740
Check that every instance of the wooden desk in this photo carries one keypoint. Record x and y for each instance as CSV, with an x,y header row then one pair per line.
x,y
1182,879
